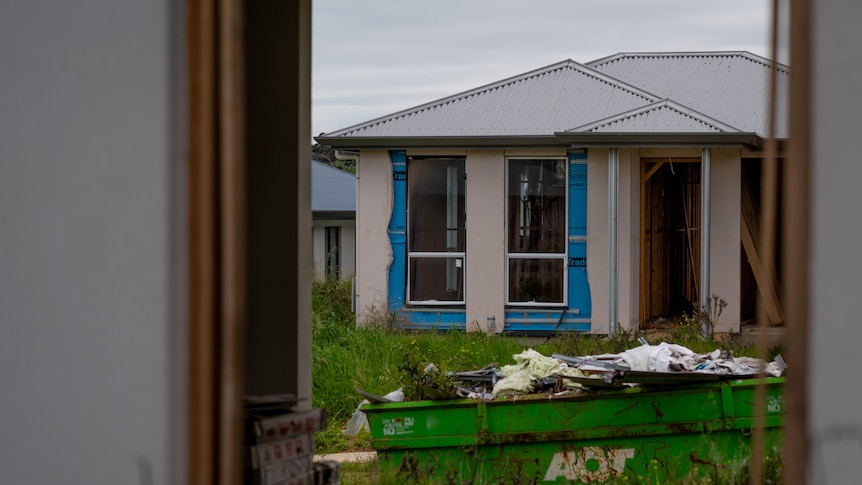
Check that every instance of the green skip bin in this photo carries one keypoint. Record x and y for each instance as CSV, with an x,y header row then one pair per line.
x,y
690,433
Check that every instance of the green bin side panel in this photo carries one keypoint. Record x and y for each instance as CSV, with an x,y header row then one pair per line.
x,y
653,459
587,438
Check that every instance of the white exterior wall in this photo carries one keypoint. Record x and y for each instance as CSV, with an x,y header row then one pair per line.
x,y
347,250
318,248
374,253
598,252
628,238
93,343
725,247
485,289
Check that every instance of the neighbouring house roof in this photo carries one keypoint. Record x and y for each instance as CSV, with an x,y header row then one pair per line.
x,y
705,98
333,192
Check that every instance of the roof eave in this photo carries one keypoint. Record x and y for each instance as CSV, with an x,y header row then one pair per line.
x,y
436,142
560,139
333,215
748,140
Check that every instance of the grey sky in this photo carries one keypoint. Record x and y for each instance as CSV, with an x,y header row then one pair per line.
x,y
374,57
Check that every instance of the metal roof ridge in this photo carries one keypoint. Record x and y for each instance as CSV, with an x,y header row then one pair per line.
x,y
619,83
741,53
447,99
568,63
667,102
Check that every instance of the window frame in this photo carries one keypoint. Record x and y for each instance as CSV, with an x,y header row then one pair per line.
x,y
561,257
450,255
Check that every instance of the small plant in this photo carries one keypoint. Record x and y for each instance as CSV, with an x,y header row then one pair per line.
x,y
701,323
624,339
687,330
710,315
421,378
773,351
574,344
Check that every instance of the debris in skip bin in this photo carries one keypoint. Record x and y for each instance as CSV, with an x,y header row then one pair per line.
x,y
663,364
358,421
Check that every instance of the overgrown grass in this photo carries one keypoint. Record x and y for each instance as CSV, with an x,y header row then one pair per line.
x,y
345,357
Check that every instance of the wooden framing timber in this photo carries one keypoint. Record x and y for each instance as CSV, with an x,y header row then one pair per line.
x,y
750,235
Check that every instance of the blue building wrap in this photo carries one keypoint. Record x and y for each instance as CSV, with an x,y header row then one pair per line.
x,y
579,298
397,230
579,301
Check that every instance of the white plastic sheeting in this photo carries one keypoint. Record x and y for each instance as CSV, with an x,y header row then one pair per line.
x,y
666,357
529,367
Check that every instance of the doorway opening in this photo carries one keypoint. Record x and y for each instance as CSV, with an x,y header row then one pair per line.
x,y
670,242
753,284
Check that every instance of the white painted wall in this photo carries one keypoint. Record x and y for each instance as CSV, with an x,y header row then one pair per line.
x,y
485,289
348,255
629,239
725,248
834,398
374,253
92,345
347,249
598,252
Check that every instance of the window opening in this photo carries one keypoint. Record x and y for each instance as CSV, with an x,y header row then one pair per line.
x,y
536,249
435,241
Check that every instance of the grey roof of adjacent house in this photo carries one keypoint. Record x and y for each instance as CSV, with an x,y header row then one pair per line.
x,y
333,192
718,96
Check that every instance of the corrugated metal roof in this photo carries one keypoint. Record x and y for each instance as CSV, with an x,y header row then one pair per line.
x,y
664,116
711,92
540,102
728,86
332,190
